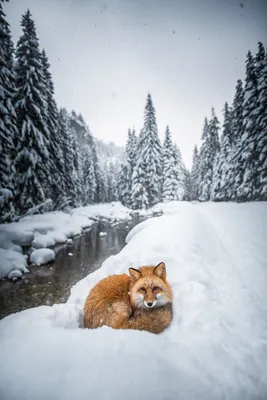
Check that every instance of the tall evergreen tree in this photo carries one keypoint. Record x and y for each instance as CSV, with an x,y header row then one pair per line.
x,y
89,178
245,159
187,186
180,173
8,129
126,172
56,161
195,175
237,132
169,187
124,181
67,150
261,145
205,169
148,162
223,160
32,159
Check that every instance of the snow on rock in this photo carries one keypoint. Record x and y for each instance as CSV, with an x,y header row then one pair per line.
x,y
215,348
102,234
11,260
42,256
14,274
114,211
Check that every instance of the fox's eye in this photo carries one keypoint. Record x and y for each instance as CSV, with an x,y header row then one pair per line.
x,y
155,288
143,289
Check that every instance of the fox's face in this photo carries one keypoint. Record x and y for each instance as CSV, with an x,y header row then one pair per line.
x,y
149,287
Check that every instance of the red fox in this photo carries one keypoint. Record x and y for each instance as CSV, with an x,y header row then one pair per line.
x,y
141,301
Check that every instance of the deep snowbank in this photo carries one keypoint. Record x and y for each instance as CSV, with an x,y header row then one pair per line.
x,y
216,347
46,230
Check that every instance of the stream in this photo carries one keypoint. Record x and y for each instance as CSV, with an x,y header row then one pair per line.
x,y
50,284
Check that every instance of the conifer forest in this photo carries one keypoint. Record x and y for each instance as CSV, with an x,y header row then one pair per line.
x,y
50,160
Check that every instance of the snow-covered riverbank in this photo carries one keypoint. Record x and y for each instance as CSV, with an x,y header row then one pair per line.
x,y
46,230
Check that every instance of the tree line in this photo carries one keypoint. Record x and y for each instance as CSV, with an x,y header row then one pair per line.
x,y
233,166
48,157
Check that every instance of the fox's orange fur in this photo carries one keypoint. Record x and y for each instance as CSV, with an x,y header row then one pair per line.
x,y
141,301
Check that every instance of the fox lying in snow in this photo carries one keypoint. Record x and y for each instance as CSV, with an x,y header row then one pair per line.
x,y
141,301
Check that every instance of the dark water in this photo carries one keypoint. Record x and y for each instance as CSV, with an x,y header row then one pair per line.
x,y
50,284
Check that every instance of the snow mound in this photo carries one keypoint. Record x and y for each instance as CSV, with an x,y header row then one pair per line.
x,y
11,260
14,274
215,349
42,256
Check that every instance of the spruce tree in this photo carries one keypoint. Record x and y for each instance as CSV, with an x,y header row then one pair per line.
x,y
237,132
89,178
8,129
169,187
139,195
223,159
148,162
56,161
187,186
124,185
180,173
261,122
32,160
205,169
124,180
67,150
195,175
245,158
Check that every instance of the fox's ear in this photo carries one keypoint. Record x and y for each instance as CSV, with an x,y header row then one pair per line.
x,y
135,273
160,271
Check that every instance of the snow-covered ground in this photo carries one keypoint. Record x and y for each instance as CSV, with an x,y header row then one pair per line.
x,y
46,230
216,347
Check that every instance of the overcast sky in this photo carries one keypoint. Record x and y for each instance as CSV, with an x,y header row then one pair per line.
x,y
106,55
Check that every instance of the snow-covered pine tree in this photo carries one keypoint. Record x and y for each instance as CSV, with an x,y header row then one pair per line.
x,y
124,184
76,126
124,179
187,185
222,161
139,196
56,161
180,173
67,150
169,186
236,134
195,175
148,163
208,152
89,179
8,129
237,112
245,159
112,189
173,171
102,182
261,122
32,160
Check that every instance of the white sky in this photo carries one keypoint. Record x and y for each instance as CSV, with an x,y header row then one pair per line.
x,y
106,55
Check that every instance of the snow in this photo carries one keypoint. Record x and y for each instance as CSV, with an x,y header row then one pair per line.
x,y
42,256
46,230
11,260
102,234
216,347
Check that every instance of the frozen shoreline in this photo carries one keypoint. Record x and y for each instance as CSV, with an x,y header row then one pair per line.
x,y
43,231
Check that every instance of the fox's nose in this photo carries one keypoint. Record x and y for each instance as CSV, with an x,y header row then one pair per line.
x,y
150,304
